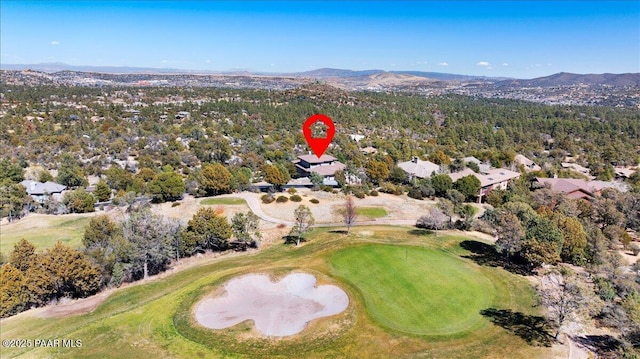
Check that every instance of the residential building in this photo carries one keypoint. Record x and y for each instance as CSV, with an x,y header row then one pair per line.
x,y
41,191
417,168
578,188
528,164
494,178
326,166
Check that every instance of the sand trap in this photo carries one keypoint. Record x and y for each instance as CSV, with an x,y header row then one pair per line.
x,y
277,309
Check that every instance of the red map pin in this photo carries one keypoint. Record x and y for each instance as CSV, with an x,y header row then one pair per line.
x,y
320,144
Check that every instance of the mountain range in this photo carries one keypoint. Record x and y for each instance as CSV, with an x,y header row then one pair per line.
x,y
375,75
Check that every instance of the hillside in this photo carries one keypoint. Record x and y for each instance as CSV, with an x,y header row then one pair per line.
x,y
570,79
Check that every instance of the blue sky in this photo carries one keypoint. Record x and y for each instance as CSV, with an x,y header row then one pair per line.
x,y
493,38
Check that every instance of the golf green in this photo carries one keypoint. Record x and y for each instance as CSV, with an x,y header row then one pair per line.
x,y
416,290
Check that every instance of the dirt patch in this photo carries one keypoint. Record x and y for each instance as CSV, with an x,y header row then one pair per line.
x,y
71,307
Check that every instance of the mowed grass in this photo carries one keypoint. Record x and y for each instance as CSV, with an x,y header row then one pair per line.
x,y
155,318
44,231
416,290
371,212
223,201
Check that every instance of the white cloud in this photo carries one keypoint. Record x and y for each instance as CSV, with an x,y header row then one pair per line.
x,y
505,64
483,63
443,64
164,61
538,65
207,61
549,65
55,43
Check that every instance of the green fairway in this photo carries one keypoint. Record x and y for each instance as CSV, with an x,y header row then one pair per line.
x,y
397,280
44,231
371,212
415,290
223,200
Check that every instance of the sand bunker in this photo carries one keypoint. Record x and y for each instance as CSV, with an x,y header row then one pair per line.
x,y
277,309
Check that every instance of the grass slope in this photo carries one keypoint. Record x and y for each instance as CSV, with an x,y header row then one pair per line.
x,y
154,319
224,200
371,212
415,290
44,231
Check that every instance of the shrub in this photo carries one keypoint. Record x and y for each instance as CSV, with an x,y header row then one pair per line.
x,y
314,200
326,188
267,198
292,190
175,204
359,194
415,193
282,199
295,198
373,193
635,248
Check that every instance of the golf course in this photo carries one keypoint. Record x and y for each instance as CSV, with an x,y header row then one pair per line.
x,y
411,294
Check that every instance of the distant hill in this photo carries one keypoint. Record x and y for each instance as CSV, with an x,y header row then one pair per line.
x,y
566,79
360,78
59,66
327,72
343,73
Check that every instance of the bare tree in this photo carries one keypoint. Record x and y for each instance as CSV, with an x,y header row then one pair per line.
x,y
303,222
434,219
349,213
561,294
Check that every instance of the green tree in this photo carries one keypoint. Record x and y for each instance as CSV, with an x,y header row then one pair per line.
x,y
302,224
44,176
119,178
241,179
13,291
469,186
316,179
13,199
341,178
167,186
23,255
69,172
151,240
397,175
377,171
215,179
104,244
72,274
543,242
10,170
79,201
439,158
276,176
206,230
102,192
441,184
245,230
575,239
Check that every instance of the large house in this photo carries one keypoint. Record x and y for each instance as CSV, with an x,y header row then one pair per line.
x,y
579,188
417,168
41,191
494,178
326,166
